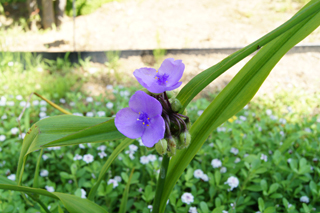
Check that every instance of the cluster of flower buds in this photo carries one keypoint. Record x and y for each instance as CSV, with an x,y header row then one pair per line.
x,y
177,135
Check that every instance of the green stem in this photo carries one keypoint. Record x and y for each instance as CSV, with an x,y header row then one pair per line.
x,y
36,173
36,199
161,183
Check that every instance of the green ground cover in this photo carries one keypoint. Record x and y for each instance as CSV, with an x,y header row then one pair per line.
x,y
265,158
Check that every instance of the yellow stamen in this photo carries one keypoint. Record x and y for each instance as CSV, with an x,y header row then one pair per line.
x,y
137,119
148,118
147,124
157,71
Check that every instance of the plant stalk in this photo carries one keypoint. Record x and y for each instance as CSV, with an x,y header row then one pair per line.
x,y
161,183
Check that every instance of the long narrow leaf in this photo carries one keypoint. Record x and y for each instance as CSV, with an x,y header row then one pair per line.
x,y
72,203
65,130
236,95
125,143
123,205
199,82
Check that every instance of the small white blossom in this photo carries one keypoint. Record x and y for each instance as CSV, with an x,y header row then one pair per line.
x,y
282,121
110,87
3,117
45,157
124,93
102,148
307,130
43,109
63,101
133,147
289,205
43,103
304,199
77,114
14,130
35,103
187,198
264,157
144,160
49,188
221,129
89,114
102,154
19,97
114,182
10,103
117,178
198,173
242,118
200,112
77,157
205,177
269,112
235,151
89,145
224,211
237,160
2,137
89,99
72,103
193,209
223,170
42,114
81,146
150,207
233,182
152,158
44,173
12,177
101,113
88,158
83,193
109,105
216,163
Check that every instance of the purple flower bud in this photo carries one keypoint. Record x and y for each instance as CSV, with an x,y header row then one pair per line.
x,y
142,119
165,79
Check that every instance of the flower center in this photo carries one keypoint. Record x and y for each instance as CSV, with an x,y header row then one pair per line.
x,y
161,79
144,118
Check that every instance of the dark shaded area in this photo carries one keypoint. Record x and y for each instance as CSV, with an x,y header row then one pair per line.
x,y
56,43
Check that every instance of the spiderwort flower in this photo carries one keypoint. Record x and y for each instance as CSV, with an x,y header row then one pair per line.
x,y
142,119
165,79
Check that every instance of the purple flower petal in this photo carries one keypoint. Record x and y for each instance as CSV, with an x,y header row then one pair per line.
x,y
126,123
166,78
154,132
173,68
145,76
143,103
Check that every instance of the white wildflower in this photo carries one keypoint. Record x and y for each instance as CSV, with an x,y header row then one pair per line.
x,y
216,163
101,113
110,87
89,99
77,114
88,158
14,130
117,178
43,103
81,146
269,112
264,157
102,148
63,101
133,147
304,199
45,157
223,170
187,198
114,182
83,193
235,151
205,177
109,105
19,97
44,173
77,157
42,114
49,188
152,158
193,209
2,137
198,173
237,160
89,114
144,160
12,177
102,154
233,182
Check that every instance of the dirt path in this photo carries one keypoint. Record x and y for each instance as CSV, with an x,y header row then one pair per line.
x,y
150,24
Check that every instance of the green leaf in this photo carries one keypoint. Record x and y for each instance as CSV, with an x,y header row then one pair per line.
x,y
264,185
198,83
276,196
236,95
125,143
123,205
313,187
261,204
204,207
72,203
218,209
270,209
273,188
254,188
305,207
217,176
65,130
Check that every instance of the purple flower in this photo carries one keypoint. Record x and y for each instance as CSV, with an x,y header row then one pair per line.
x,y
165,79
142,119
